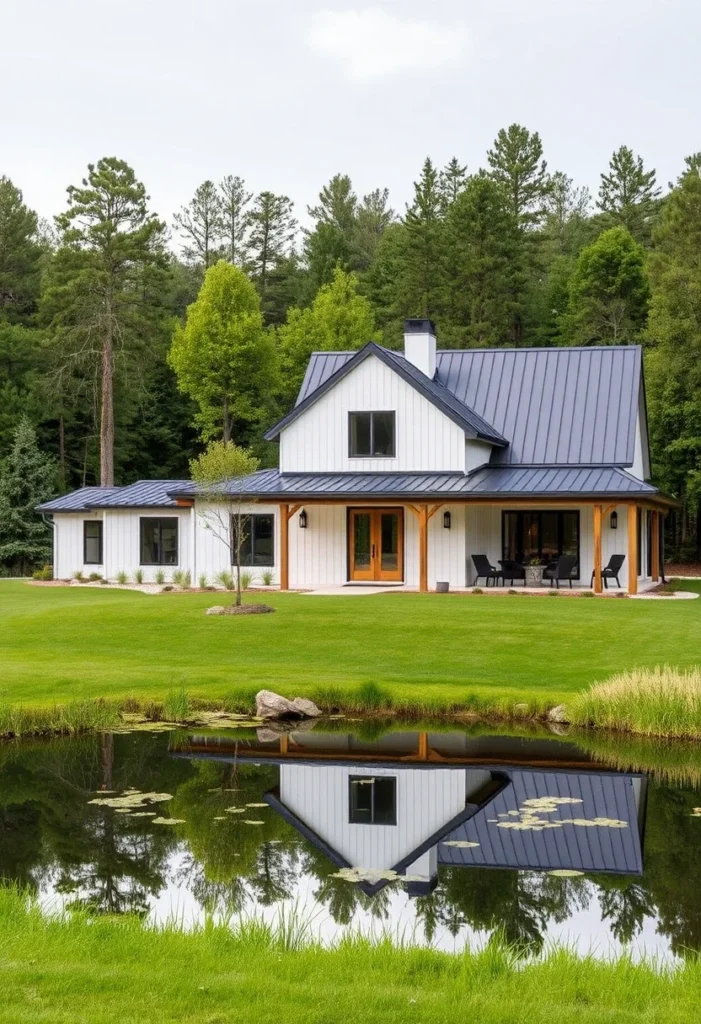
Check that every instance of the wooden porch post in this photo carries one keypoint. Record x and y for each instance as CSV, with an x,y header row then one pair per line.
x,y
598,516
423,548
422,751
284,547
632,549
655,541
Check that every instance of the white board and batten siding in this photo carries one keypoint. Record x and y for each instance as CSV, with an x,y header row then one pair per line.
x,y
426,439
426,801
68,545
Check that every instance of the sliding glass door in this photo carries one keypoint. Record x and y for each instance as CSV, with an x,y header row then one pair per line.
x,y
545,535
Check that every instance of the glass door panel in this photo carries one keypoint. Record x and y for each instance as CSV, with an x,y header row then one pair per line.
x,y
361,546
390,545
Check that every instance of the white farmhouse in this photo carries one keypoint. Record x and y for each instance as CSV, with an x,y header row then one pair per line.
x,y
415,468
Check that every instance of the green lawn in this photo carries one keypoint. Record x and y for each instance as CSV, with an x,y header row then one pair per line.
x,y
64,644
115,972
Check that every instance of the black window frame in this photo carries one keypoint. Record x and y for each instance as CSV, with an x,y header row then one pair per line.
x,y
161,520
100,537
372,413
560,513
370,780
251,535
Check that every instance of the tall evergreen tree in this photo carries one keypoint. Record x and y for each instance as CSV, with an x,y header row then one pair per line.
x,y
337,204
628,193
373,217
201,224
20,255
271,244
517,163
27,479
234,202
422,282
224,359
106,282
452,180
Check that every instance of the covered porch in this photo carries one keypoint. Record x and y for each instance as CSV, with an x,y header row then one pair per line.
x,y
416,544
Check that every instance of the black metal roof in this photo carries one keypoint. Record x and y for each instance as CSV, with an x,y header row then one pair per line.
x,y
142,494
557,406
498,481
568,846
473,424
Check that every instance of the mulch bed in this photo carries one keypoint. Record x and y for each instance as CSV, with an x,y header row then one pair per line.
x,y
682,569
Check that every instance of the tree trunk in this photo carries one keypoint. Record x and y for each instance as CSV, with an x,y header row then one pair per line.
x,y
61,454
107,408
226,426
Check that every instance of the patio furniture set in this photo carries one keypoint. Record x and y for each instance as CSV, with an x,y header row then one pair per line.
x,y
563,568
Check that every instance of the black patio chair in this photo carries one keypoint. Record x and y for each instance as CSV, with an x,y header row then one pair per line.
x,y
562,569
611,571
512,570
483,567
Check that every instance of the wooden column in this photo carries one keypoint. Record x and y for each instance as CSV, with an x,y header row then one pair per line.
x,y
632,549
284,547
423,548
423,746
284,743
598,516
655,541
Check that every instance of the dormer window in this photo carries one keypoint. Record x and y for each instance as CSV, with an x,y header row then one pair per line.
x,y
371,435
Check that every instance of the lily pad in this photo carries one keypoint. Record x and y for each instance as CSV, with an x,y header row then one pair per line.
x,y
566,873
168,821
461,844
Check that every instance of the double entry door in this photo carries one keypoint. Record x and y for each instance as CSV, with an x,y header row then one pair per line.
x,y
376,544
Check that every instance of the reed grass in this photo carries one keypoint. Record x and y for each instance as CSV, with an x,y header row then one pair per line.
x,y
661,701
109,970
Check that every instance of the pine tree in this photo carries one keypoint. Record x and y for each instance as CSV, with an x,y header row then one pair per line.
x,y
423,278
20,255
27,479
373,217
271,242
452,180
201,224
337,205
234,201
628,193
517,163
106,282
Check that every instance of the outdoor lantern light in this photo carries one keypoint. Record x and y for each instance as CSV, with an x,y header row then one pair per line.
x,y
303,520
614,520
446,520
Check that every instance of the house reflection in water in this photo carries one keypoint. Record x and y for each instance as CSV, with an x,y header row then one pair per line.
x,y
405,804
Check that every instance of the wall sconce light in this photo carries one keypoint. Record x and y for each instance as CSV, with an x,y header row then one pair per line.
x,y
614,520
303,520
446,520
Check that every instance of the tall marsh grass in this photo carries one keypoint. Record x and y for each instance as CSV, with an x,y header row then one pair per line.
x,y
661,701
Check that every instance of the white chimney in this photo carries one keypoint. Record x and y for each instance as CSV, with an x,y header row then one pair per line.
x,y
420,345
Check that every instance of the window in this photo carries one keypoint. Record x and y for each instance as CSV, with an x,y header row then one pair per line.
x,y
373,800
544,535
371,435
92,542
159,541
257,541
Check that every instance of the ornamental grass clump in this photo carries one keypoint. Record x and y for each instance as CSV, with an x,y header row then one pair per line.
x,y
661,701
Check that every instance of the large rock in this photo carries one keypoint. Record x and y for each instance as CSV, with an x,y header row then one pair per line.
x,y
216,609
558,714
272,705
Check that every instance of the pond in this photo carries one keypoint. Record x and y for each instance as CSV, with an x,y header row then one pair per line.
x,y
441,837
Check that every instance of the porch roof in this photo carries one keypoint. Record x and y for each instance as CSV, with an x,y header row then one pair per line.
x,y
142,494
488,481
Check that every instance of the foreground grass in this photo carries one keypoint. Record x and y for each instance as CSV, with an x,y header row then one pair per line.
x,y
651,702
105,971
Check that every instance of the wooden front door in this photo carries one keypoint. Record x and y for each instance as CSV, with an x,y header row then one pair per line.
x,y
376,544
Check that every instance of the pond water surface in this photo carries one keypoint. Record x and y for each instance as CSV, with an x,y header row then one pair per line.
x,y
435,837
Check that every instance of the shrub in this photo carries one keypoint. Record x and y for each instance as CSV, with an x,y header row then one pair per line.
x,y
186,580
178,577
122,577
553,593
202,581
587,593
160,577
45,573
226,580
655,702
477,590
95,577
139,576
267,577
78,575
246,579
512,591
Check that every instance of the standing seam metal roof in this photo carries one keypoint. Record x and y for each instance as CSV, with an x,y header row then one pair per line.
x,y
553,405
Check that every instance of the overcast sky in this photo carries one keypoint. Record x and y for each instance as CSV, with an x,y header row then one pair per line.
x,y
286,94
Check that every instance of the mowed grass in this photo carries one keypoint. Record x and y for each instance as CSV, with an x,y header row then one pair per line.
x,y
433,652
108,971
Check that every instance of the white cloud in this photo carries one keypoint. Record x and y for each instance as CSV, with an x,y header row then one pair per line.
x,y
372,42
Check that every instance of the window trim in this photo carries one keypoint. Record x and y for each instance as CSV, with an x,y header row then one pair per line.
x,y
540,511
101,538
161,519
252,565
372,413
364,778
